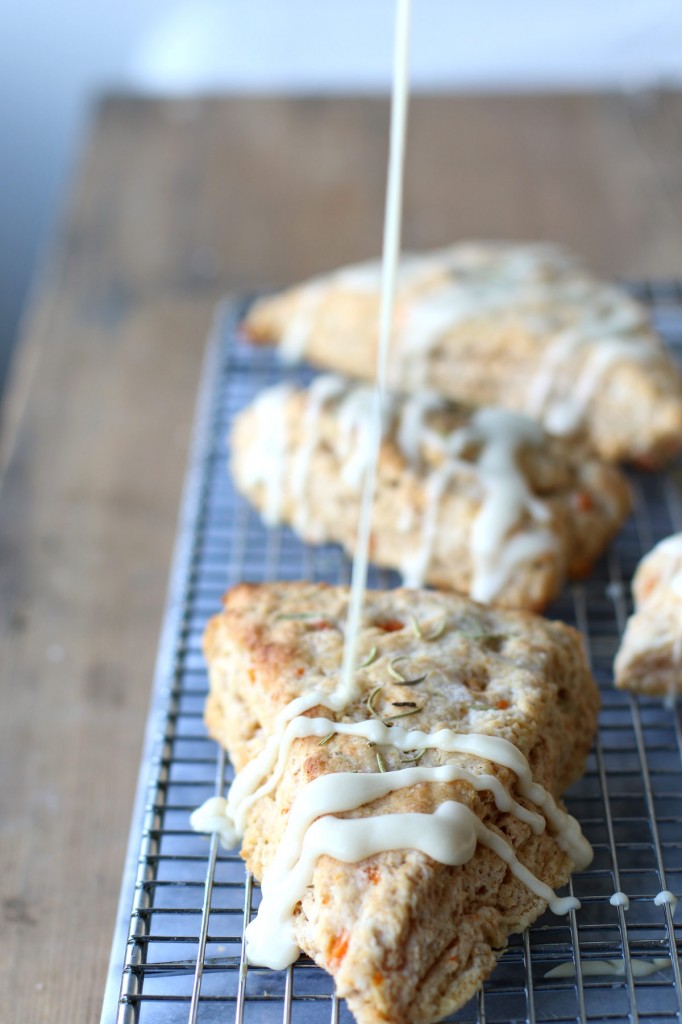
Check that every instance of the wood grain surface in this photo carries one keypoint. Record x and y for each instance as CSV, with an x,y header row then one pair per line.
x,y
176,203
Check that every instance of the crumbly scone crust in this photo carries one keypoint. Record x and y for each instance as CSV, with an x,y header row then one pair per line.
x,y
649,659
587,501
406,939
488,357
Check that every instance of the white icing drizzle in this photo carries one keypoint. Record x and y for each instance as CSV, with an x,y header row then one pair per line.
x,y
666,897
267,469
415,564
620,899
509,529
262,774
356,434
389,271
411,431
213,816
322,390
507,501
442,835
449,835
564,415
612,968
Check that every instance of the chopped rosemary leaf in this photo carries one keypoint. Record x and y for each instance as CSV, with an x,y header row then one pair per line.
x,y
395,674
326,739
415,681
437,631
370,701
403,704
380,762
474,706
370,659
403,714
392,671
413,757
485,638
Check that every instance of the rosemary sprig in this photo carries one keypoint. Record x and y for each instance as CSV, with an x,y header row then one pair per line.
x,y
370,659
395,674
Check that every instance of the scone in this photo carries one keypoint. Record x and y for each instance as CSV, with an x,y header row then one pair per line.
x,y
650,655
520,326
481,502
403,823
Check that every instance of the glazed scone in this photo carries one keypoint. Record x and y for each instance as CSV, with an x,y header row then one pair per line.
x,y
649,659
520,326
481,502
406,937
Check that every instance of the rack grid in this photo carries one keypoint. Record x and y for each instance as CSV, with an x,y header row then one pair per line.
x,y
178,956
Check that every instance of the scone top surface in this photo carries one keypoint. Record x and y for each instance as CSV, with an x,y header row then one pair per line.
x,y
488,671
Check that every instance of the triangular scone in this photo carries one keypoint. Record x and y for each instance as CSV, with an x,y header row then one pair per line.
x,y
406,938
649,659
520,326
483,502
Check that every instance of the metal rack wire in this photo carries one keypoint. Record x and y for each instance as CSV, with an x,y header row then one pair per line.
x,y
178,957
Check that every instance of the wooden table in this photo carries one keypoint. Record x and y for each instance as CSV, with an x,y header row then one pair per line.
x,y
175,204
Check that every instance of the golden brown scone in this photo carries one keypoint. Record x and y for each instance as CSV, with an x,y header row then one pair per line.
x,y
649,659
480,502
520,326
406,938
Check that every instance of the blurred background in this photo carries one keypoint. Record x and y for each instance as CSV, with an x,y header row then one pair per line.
x,y
57,58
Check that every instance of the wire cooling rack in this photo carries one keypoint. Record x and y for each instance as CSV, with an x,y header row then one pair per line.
x,y
178,956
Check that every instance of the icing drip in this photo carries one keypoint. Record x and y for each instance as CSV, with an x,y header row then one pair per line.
x,y
620,899
612,968
666,897
267,470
